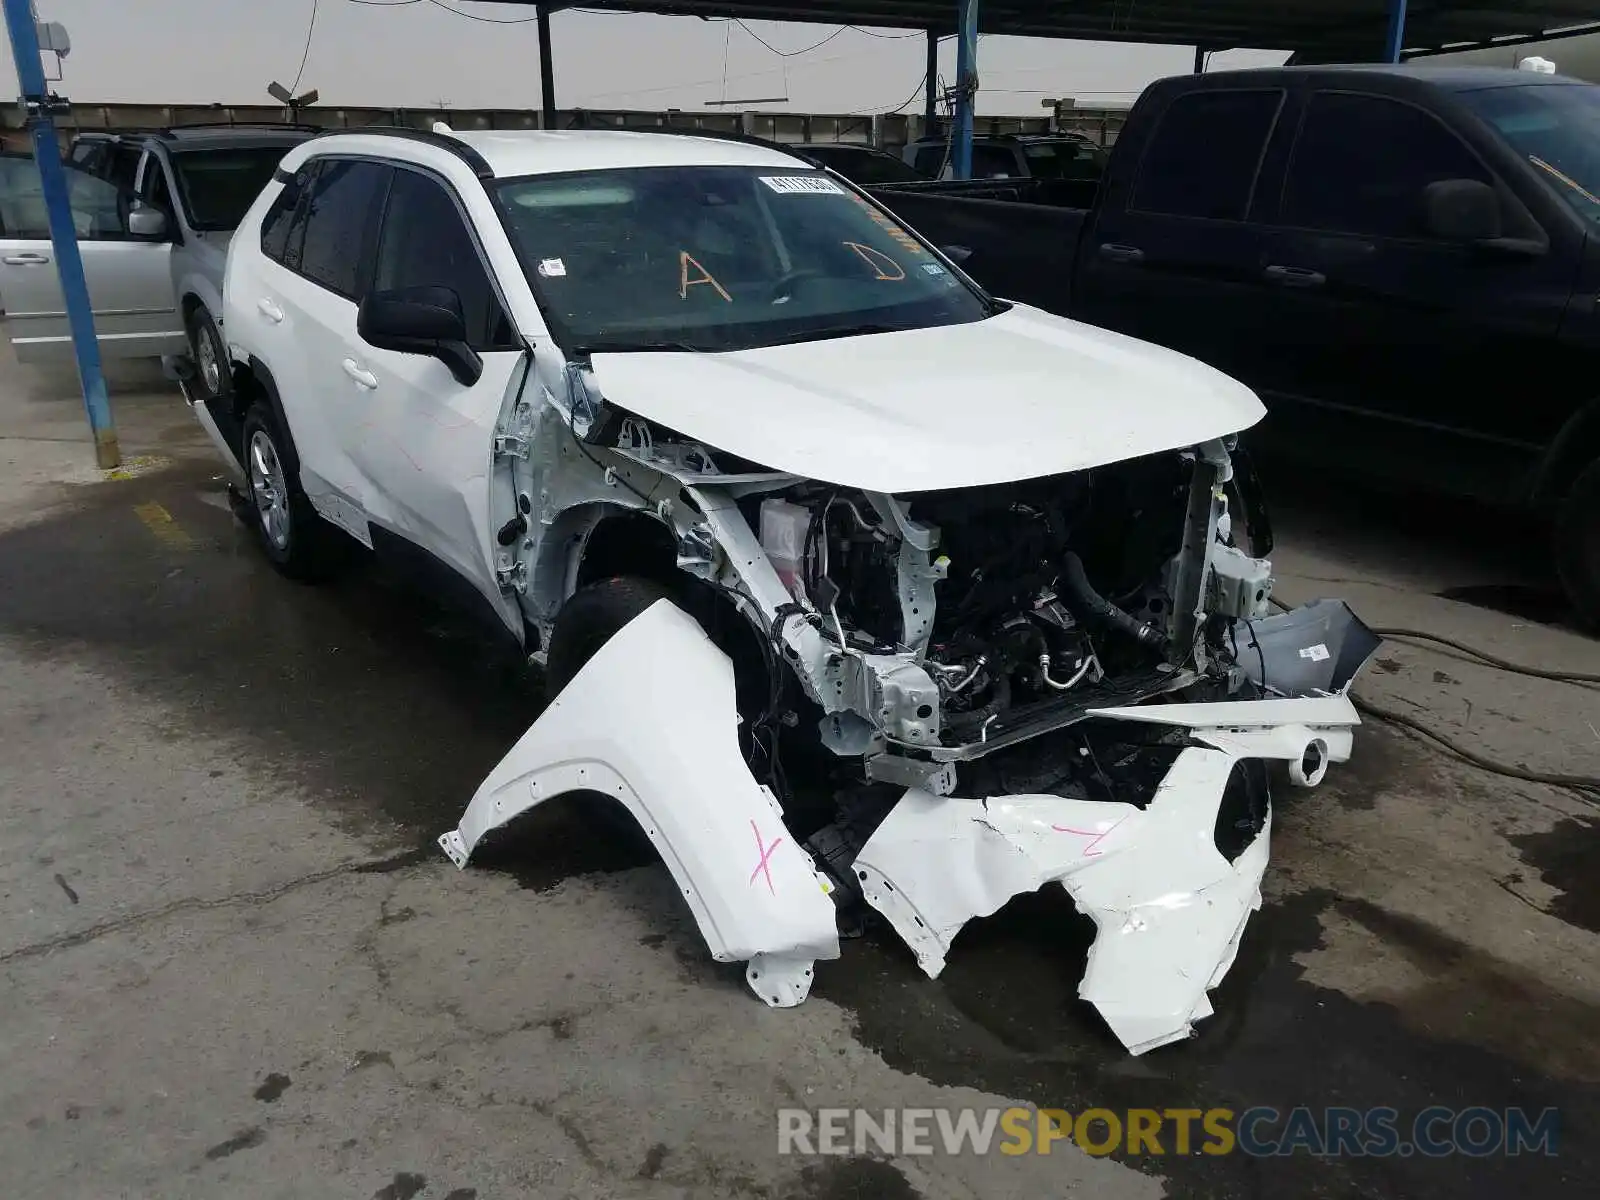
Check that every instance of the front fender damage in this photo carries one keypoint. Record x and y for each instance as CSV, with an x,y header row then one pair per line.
x,y
651,722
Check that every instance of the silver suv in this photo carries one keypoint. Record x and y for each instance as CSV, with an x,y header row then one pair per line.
x,y
154,213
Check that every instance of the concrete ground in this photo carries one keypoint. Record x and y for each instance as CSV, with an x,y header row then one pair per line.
x,y
234,964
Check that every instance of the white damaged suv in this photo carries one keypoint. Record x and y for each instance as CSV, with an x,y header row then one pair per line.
x,y
854,586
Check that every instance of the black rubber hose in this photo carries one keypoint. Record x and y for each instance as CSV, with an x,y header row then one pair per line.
x,y
1418,635
1097,606
1587,786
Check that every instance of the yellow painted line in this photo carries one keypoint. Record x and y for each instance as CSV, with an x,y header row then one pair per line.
x,y
135,465
160,523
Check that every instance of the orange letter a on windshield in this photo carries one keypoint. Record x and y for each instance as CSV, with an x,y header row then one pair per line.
x,y
685,260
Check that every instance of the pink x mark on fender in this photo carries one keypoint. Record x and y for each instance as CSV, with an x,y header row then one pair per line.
x,y
765,851
1092,850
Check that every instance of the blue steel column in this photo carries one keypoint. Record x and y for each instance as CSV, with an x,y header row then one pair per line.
x,y
966,87
63,237
1396,41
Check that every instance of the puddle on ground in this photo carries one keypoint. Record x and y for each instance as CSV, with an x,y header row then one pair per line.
x,y
1567,858
1276,1040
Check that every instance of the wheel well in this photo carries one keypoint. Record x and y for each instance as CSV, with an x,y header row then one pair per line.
x,y
1575,447
631,544
189,305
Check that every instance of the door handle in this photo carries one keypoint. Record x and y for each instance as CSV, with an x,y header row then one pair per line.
x,y
364,378
1299,277
269,310
1114,252
27,258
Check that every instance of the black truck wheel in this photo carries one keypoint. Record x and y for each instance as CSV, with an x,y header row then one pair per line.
x,y
1577,545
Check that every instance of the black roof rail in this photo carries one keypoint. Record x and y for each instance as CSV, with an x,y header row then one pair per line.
x,y
478,164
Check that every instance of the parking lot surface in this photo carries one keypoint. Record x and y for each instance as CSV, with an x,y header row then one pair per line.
x,y
236,965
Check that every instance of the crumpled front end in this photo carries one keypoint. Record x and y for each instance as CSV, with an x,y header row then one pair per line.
x,y
1169,884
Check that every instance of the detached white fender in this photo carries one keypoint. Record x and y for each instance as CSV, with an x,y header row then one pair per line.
x,y
652,721
1169,908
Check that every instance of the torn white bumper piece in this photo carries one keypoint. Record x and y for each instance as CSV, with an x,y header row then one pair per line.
x,y
651,721
1168,906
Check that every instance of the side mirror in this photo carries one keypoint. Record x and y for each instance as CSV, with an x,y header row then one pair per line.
x,y
421,320
147,222
956,254
1461,210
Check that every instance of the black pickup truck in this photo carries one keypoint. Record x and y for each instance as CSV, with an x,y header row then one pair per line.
x,y
1404,262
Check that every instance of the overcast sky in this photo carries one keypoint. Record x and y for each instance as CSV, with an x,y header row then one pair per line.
x,y
393,53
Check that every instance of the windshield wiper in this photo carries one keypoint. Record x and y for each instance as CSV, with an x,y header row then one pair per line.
x,y
637,347
863,329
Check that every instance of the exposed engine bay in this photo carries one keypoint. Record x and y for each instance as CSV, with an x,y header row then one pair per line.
x,y
1016,622
1076,678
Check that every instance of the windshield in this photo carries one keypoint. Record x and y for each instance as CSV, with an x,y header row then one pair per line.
x,y
218,186
722,258
1064,160
1557,128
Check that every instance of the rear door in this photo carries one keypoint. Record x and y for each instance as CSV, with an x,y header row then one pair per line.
x,y
129,277
421,441
1173,256
316,260
1415,357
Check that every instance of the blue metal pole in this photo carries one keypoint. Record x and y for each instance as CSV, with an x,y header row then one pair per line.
x,y
36,102
1396,41
966,88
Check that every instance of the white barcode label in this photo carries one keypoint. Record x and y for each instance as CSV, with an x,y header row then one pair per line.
x,y
800,185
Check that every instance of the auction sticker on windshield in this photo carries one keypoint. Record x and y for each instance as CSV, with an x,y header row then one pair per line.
x,y
800,185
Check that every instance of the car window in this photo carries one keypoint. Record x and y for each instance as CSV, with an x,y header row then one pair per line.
x,y
930,160
155,191
722,258
1065,159
1556,127
338,215
1206,153
864,166
283,227
1361,164
993,162
425,243
99,208
218,186
122,167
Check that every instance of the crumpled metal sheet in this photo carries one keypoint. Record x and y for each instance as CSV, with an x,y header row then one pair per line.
x,y
1169,908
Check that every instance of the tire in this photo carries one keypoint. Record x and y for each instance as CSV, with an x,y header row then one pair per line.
x,y
1577,545
211,375
298,542
590,618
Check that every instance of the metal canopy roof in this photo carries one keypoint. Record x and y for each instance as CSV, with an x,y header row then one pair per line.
x,y
1324,29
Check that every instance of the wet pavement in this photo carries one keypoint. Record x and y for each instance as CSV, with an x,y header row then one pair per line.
x,y
1431,935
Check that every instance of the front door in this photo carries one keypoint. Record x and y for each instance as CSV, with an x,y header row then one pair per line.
x,y
422,441
1174,257
129,277
1408,356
